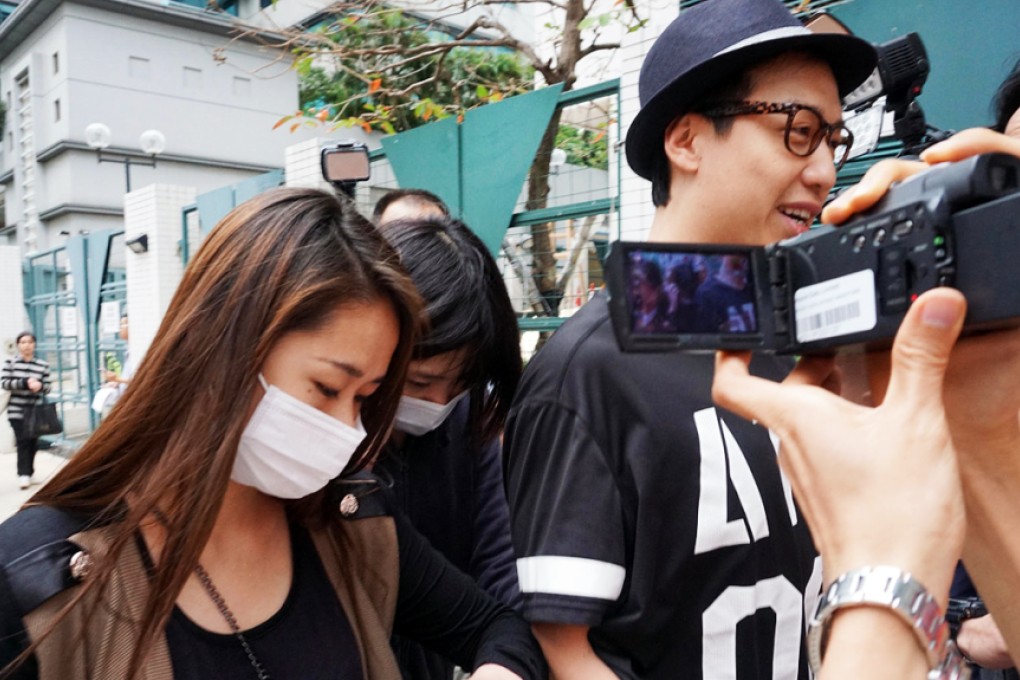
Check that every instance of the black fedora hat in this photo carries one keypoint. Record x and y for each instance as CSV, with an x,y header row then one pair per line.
x,y
716,40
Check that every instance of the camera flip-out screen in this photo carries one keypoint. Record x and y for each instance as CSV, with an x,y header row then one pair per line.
x,y
832,289
691,296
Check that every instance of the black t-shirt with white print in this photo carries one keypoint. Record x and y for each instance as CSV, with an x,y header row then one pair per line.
x,y
640,509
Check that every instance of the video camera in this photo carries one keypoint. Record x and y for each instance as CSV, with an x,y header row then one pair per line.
x,y
832,287
893,87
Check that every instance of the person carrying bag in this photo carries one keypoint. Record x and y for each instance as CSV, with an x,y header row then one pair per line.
x,y
41,419
27,378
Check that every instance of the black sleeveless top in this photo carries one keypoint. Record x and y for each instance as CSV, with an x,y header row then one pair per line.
x,y
309,638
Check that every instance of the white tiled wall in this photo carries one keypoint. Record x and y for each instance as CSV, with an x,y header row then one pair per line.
x,y
302,167
12,321
152,277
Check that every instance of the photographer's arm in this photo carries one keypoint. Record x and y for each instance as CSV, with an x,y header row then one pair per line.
x,y
983,417
982,401
853,468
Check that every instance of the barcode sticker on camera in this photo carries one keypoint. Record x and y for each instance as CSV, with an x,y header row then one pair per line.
x,y
836,307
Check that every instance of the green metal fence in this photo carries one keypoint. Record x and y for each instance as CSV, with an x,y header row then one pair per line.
x,y
554,242
73,294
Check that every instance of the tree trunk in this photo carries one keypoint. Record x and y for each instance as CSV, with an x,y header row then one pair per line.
x,y
542,249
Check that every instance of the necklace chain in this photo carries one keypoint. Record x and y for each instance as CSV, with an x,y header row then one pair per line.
x,y
214,595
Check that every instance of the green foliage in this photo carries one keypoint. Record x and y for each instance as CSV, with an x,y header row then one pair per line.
x,y
369,80
589,148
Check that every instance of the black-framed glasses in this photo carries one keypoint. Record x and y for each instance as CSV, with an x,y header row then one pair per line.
x,y
806,129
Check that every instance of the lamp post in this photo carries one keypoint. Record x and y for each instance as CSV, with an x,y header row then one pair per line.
x,y
557,159
152,143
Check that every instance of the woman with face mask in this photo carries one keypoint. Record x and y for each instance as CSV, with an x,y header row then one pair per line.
x,y
197,533
443,459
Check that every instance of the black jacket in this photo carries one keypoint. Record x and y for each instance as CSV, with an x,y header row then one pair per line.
x,y
453,494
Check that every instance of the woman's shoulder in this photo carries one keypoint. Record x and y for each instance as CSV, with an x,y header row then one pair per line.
x,y
37,558
34,527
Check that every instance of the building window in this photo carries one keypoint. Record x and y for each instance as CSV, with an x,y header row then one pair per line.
x,y
192,78
56,110
138,67
56,62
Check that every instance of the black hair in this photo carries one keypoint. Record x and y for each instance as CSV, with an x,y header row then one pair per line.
x,y
650,270
23,334
466,307
736,88
418,196
683,277
1007,99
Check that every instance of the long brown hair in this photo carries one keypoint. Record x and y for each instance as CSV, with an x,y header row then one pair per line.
x,y
280,262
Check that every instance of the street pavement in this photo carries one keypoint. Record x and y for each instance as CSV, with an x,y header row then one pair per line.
x,y
11,497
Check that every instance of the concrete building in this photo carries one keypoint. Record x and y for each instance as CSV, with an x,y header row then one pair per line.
x,y
133,66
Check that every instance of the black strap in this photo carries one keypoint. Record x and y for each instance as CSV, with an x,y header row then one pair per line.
x,y
366,489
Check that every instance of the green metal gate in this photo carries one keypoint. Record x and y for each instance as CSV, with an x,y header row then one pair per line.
x,y
71,294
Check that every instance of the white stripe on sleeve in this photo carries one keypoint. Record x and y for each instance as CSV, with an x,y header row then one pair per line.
x,y
577,576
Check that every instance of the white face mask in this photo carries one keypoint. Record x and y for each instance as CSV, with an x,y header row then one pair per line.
x,y
417,416
290,449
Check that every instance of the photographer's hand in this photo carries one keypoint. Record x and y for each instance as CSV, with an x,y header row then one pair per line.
x,y
870,189
854,468
981,641
970,143
879,177
878,486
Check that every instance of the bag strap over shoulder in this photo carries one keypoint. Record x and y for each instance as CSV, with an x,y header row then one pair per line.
x,y
359,553
35,554
44,577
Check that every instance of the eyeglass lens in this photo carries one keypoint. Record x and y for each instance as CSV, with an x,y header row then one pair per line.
x,y
805,131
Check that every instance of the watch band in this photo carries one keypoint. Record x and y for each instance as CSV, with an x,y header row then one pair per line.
x,y
881,586
955,667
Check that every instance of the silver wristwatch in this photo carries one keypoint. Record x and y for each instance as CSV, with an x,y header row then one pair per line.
x,y
897,590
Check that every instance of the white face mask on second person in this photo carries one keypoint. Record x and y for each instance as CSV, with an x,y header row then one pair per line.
x,y
417,416
290,449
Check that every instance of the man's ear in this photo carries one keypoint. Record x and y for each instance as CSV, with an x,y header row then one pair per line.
x,y
679,142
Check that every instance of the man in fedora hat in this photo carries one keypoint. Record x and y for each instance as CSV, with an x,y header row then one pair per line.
x,y
655,535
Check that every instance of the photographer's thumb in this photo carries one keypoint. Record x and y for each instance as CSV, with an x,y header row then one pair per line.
x,y
923,344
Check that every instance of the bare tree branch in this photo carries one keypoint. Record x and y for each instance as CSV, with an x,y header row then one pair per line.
x,y
591,49
579,245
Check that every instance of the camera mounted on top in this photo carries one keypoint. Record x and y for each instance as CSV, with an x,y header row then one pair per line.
x,y
893,87
344,164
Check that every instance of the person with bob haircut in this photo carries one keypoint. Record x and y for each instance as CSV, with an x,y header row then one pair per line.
x,y
897,490
27,378
198,534
444,457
